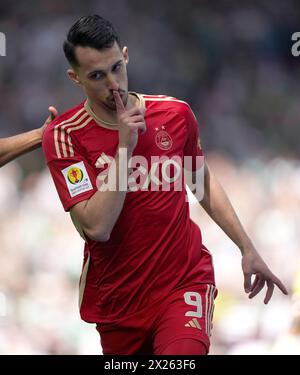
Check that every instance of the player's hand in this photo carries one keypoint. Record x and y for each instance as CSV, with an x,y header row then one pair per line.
x,y
50,118
130,121
253,264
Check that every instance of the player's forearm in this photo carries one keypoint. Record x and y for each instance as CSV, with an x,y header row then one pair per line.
x,y
14,146
104,207
219,208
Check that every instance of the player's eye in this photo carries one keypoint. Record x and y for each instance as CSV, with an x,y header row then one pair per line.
x,y
117,67
96,76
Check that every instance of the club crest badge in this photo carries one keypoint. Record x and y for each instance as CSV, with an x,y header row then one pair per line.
x,y
163,139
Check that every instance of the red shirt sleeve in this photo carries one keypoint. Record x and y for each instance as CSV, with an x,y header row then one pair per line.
x,y
75,180
74,177
192,146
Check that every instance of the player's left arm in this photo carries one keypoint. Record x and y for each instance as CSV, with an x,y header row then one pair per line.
x,y
12,147
216,203
218,206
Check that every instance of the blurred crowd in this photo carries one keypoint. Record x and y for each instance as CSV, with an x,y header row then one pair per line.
x,y
232,62
41,256
266,197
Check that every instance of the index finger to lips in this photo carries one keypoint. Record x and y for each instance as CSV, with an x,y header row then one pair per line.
x,y
119,104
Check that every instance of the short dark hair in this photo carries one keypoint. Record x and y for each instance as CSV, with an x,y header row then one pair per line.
x,y
89,31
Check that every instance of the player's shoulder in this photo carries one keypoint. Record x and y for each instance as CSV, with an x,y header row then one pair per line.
x,y
165,102
73,116
68,117
53,133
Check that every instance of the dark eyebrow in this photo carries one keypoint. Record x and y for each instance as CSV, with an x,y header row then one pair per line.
x,y
117,63
102,71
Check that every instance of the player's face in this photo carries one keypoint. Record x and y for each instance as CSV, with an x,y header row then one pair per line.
x,y
102,72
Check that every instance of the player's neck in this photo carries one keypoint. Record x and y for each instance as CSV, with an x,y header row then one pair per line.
x,y
108,116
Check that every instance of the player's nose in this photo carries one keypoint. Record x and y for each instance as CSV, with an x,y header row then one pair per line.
x,y
112,84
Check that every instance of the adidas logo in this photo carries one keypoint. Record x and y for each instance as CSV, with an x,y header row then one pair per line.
x,y
193,323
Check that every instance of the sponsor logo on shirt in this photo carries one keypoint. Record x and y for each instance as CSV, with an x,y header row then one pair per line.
x,y
77,179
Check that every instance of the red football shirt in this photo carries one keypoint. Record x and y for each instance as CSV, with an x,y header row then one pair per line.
x,y
154,246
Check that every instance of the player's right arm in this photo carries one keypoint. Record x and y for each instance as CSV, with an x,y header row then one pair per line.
x,y
98,215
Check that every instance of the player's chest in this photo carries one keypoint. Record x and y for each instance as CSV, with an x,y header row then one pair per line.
x,y
164,137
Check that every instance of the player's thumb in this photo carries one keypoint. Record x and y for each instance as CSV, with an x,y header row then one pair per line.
x,y
53,112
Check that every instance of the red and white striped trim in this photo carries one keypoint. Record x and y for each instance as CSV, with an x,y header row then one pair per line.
x,y
83,277
209,307
62,137
162,98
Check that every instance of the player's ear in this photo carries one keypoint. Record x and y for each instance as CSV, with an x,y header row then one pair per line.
x,y
73,76
125,55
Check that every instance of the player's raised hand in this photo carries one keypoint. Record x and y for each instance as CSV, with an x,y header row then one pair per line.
x,y
253,264
50,118
130,121
119,104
